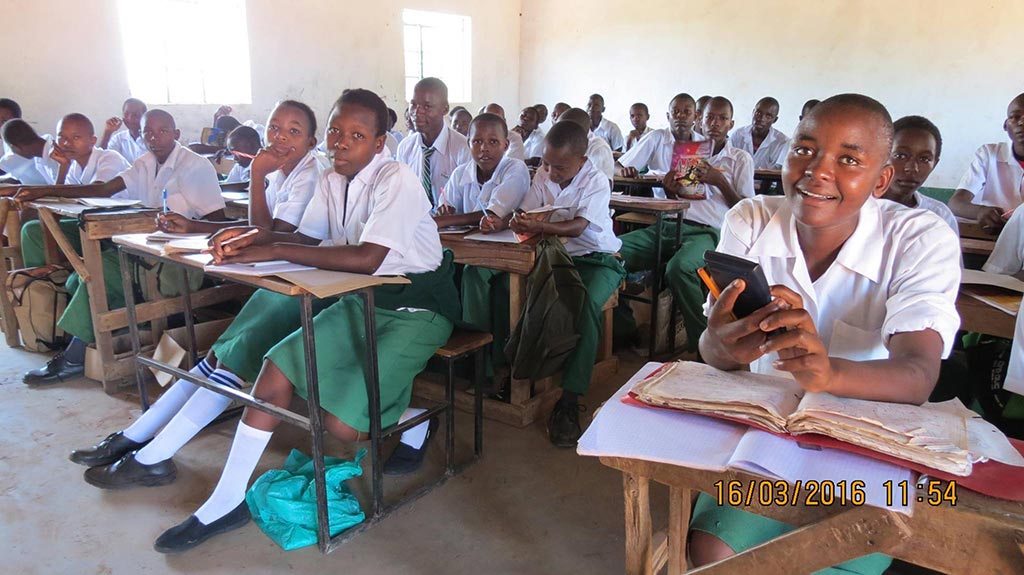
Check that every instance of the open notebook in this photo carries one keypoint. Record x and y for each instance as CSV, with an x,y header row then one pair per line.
x,y
934,437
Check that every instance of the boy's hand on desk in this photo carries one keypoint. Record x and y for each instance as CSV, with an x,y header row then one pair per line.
x,y
738,341
629,172
249,254
31,194
801,351
491,223
229,241
991,219
174,223
445,210
112,125
525,224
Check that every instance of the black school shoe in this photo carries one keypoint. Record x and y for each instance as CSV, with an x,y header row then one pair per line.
x,y
126,473
112,448
405,459
55,370
191,532
564,425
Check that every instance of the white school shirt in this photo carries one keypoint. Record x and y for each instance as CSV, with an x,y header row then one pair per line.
x,y
600,153
627,144
103,166
889,277
190,180
391,143
772,152
609,131
995,178
534,144
738,169
130,148
288,196
501,194
586,196
39,171
238,174
938,208
383,204
1008,258
396,135
450,150
654,151
516,146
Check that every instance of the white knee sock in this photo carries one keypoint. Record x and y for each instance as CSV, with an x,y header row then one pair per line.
x,y
246,450
203,407
164,409
417,435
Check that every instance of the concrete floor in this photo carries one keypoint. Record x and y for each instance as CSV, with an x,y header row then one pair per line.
x,y
527,507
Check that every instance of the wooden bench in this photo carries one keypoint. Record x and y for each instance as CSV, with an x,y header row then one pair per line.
x,y
463,343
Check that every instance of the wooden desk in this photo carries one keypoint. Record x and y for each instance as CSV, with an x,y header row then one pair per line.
x,y
979,316
972,229
638,186
977,246
10,259
979,535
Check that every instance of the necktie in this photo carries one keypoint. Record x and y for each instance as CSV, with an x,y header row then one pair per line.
x,y
425,174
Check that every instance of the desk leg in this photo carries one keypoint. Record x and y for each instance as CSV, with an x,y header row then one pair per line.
x,y
316,424
97,286
190,327
516,299
655,287
678,527
636,493
133,326
10,260
373,394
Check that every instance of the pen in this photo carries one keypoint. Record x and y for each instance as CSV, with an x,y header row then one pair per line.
x,y
165,200
710,282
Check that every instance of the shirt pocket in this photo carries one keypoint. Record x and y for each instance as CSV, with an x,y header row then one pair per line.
x,y
176,202
855,343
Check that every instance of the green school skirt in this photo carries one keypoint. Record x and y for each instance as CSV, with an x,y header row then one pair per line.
x,y
741,530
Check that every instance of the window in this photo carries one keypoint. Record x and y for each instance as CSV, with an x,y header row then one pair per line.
x,y
438,45
202,56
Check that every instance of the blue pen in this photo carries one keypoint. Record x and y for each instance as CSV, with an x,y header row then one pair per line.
x,y
165,200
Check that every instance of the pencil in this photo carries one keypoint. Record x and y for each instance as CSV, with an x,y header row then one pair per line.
x,y
243,154
710,282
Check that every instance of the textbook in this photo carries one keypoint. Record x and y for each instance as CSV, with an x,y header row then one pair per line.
x,y
164,237
92,202
192,245
1000,291
686,156
258,269
934,437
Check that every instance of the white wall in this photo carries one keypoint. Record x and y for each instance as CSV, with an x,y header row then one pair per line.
x,y
63,56
957,63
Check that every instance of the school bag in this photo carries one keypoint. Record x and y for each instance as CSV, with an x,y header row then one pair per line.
x,y
547,330
39,297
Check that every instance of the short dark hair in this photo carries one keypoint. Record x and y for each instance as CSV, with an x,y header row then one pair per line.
x,y
81,119
370,101
702,101
919,123
392,117
568,135
642,106
861,102
17,132
11,106
809,105
768,100
488,118
227,123
137,102
683,96
539,106
598,96
158,113
721,100
306,110
433,84
246,134
576,116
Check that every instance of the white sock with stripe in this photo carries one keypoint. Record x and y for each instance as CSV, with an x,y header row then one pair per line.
x,y
158,414
246,450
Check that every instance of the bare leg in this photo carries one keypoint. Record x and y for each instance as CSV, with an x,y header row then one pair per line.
x,y
706,548
273,387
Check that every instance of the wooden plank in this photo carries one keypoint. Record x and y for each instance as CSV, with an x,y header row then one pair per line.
x,y
678,528
507,257
104,226
659,550
97,286
639,548
151,310
977,316
972,229
636,218
648,205
47,218
10,259
516,299
431,387
976,246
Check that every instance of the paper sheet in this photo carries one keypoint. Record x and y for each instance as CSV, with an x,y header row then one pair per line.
x,y
985,440
978,277
504,236
325,283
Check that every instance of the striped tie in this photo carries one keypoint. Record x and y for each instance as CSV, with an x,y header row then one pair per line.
x,y
425,174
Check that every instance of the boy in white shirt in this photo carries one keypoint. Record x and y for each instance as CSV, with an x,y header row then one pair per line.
x,y
9,110
702,103
243,143
531,134
291,172
994,184
392,120
81,162
859,287
516,147
29,158
654,151
760,139
598,150
128,142
434,150
459,120
542,116
638,116
916,147
1008,258
557,111
368,215
192,189
603,127
568,179
728,177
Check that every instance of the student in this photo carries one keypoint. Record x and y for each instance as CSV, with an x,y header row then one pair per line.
x,y
9,109
867,312
434,151
80,161
598,150
292,173
728,177
808,106
767,145
128,142
29,160
654,151
603,127
284,175
994,184
542,116
387,230
226,124
516,146
531,135
243,143
1008,258
392,120
409,127
568,179
702,103
638,116
916,147
192,190
460,121
557,111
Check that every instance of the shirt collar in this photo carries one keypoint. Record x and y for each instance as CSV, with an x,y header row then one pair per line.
x,y
172,160
366,175
441,143
861,253
1004,153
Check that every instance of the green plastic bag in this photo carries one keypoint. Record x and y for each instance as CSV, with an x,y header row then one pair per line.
x,y
283,501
